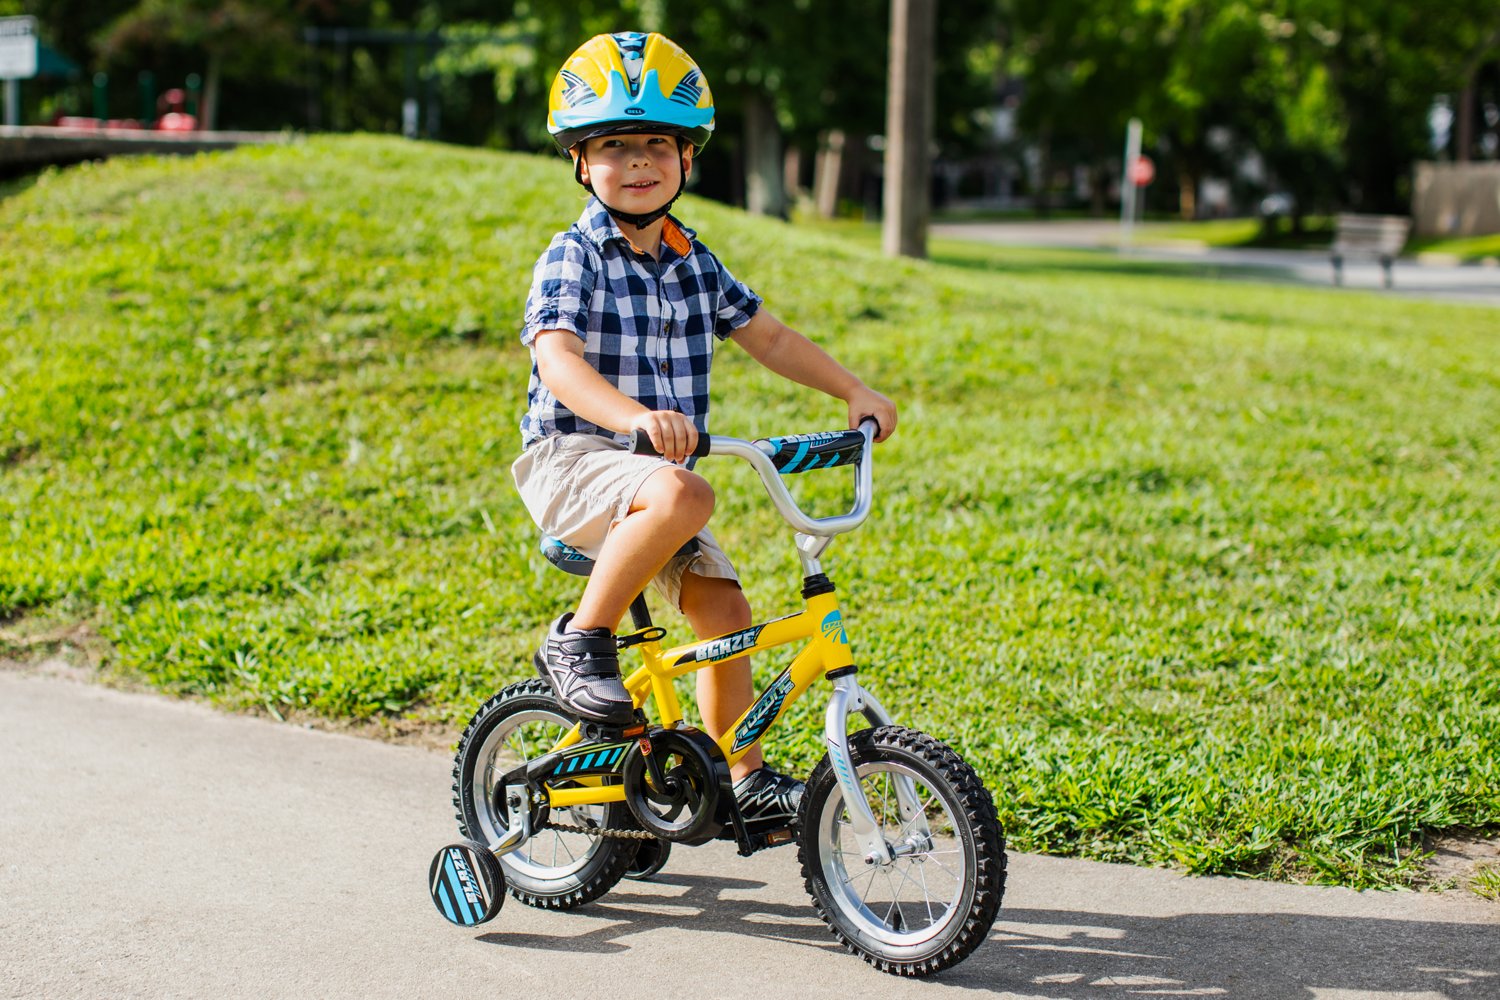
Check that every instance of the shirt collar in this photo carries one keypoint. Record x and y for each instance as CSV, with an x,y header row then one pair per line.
x,y
598,225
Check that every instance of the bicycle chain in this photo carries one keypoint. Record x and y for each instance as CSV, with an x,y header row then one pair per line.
x,y
599,831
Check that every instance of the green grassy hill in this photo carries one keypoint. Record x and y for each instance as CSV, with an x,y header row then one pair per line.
x,y
1196,574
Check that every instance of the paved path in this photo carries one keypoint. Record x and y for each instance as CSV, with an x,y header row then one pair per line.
x,y
1413,278
155,848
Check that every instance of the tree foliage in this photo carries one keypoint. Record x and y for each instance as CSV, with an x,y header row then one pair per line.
x,y
1332,94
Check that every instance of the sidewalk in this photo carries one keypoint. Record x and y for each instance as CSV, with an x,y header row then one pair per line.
x,y
1412,278
156,848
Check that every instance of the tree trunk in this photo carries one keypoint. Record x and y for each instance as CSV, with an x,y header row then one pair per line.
x,y
1465,135
792,174
908,129
209,113
1042,197
764,192
1187,191
828,171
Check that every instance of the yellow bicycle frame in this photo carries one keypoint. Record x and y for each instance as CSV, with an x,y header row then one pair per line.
x,y
821,623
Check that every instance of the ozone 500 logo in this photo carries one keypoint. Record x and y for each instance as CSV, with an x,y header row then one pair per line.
x,y
763,713
833,628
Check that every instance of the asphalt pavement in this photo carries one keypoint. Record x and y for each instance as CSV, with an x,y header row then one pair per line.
x,y
1424,278
156,848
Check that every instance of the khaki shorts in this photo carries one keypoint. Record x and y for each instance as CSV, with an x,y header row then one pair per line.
x,y
578,486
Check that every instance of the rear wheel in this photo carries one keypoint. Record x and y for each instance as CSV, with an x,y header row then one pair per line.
x,y
555,869
937,899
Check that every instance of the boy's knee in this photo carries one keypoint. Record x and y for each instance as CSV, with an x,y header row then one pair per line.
x,y
684,494
719,604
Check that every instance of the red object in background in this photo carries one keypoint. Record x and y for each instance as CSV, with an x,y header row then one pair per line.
x,y
1142,171
173,117
176,121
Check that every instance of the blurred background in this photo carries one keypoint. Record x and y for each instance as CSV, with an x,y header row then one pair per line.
x,y
1288,110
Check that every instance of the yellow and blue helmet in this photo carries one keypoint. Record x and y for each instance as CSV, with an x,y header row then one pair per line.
x,y
630,81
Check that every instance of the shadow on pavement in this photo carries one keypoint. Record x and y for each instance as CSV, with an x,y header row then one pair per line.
x,y
1233,954
1053,953
701,905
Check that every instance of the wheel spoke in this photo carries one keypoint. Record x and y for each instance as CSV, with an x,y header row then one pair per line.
x,y
920,813
895,906
927,897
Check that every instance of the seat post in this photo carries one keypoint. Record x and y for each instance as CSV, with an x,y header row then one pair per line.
x,y
639,613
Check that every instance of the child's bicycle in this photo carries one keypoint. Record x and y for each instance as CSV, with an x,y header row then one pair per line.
x,y
898,840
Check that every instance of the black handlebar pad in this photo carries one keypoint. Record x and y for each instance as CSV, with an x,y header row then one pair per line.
x,y
804,452
640,444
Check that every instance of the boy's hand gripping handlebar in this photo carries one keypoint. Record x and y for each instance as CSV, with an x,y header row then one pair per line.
x,y
774,457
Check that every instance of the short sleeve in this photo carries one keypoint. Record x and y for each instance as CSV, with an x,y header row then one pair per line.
x,y
562,284
736,303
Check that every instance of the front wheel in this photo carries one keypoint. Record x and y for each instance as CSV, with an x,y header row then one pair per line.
x,y
937,899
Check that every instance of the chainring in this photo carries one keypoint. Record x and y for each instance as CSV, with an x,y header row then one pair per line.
x,y
684,807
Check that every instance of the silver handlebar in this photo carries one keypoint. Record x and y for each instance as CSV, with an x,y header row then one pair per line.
x,y
757,453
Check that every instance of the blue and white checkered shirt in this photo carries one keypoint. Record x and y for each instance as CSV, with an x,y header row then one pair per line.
x,y
648,326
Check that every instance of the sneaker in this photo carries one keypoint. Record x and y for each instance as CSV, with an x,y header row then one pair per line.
x,y
584,670
765,797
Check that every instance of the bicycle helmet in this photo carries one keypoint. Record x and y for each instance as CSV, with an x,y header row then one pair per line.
x,y
630,81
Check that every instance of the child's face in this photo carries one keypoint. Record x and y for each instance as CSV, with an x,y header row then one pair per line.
x,y
635,173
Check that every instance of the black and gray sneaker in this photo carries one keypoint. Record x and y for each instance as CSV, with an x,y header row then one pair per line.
x,y
766,797
584,670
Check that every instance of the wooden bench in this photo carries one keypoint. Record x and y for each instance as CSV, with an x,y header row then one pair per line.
x,y
1378,236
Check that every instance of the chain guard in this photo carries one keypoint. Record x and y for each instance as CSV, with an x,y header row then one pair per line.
x,y
688,807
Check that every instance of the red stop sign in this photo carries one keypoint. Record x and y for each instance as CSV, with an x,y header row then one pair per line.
x,y
1142,171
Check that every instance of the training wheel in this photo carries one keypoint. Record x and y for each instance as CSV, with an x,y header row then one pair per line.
x,y
466,883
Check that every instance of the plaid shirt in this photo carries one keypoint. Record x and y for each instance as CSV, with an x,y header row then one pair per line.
x,y
648,326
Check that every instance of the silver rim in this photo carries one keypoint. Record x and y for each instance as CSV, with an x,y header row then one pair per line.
x,y
919,896
549,854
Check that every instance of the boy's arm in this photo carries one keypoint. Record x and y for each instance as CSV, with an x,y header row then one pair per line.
x,y
791,355
578,386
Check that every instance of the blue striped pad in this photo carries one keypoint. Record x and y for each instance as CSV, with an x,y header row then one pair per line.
x,y
607,758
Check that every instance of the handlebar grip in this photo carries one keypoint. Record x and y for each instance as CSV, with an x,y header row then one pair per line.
x,y
869,419
640,444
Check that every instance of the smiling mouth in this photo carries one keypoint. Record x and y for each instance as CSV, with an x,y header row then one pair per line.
x,y
641,186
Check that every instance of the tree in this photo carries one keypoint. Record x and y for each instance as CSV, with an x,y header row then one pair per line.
x,y
244,35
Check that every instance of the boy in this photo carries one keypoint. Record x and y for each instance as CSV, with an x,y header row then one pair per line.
x,y
621,318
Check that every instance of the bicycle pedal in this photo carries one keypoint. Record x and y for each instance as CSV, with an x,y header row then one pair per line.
x,y
762,839
594,732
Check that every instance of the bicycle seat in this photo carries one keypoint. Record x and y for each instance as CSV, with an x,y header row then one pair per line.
x,y
570,560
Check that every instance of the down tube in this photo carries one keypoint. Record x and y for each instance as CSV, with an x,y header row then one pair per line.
x,y
790,685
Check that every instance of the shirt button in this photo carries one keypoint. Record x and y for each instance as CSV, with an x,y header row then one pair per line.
x,y
666,367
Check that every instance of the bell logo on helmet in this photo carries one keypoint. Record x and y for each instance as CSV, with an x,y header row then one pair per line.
x,y
635,111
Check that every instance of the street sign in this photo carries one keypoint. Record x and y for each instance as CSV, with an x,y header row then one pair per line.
x,y
1142,171
18,48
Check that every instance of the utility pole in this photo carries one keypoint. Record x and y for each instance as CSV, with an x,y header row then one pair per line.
x,y
908,128
1127,180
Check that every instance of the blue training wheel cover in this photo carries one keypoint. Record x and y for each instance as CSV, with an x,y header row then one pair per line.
x,y
466,883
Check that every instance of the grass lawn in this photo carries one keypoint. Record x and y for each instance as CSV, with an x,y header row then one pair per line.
x,y
1197,574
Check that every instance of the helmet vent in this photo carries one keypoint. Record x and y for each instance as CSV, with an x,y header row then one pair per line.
x,y
688,91
577,92
633,55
